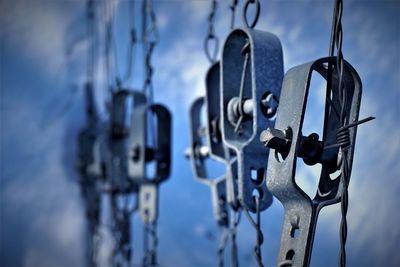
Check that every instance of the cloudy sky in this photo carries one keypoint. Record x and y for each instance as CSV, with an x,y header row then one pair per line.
x,y
42,67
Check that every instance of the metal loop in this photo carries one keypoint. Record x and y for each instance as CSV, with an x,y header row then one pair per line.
x,y
211,54
245,13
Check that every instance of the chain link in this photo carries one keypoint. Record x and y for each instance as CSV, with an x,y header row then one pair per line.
x,y
131,55
122,253
150,38
222,246
245,13
235,220
90,14
211,36
150,251
257,225
233,10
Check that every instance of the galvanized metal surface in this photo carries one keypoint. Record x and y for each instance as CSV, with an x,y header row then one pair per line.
x,y
301,212
263,52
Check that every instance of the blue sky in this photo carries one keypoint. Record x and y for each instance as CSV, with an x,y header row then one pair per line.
x,y
41,103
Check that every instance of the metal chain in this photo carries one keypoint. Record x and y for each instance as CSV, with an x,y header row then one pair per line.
x,y
233,10
257,225
122,253
235,220
109,47
211,36
150,38
222,246
150,251
245,13
131,56
90,14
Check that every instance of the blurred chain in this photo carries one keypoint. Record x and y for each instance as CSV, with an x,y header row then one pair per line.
x,y
257,225
150,38
233,10
121,222
109,47
245,13
235,220
90,14
222,245
131,55
211,36
150,251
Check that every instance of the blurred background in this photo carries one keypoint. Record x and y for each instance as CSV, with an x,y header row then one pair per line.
x,y
42,73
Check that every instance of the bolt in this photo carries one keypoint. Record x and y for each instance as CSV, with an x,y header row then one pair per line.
x,y
188,153
276,139
136,153
269,104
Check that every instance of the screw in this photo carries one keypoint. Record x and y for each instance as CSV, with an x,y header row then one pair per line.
x,y
136,153
188,153
269,104
276,139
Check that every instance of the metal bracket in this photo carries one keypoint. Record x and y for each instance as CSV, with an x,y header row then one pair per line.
x,y
217,149
148,202
248,106
287,143
124,103
90,155
141,153
198,152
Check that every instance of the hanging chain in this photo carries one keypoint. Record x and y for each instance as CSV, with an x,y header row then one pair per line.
x,y
90,36
150,251
257,225
211,36
235,220
110,46
131,55
245,13
343,134
122,253
233,10
222,245
150,38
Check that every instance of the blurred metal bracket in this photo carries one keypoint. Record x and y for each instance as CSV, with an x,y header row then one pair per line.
x,y
124,104
198,152
155,121
217,149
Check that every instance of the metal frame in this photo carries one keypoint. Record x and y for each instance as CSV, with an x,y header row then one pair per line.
x,y
265,77
301,212
140,154
124,104
197,153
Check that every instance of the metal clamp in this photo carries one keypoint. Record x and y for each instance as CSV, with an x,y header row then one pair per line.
x,y
217,149
198,152
124,103
141,153
287,143
252,73
91,157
